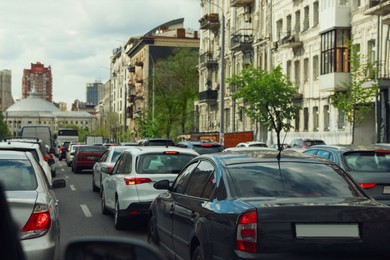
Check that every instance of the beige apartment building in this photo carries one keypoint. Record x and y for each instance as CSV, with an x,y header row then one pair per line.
x,y
132,65
308,38
6,99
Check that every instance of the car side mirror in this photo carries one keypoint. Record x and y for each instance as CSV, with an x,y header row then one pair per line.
x,y
110,248
162,185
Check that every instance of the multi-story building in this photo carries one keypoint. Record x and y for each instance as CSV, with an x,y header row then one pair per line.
x,y
309,39
93,92
40,78
132,66
6,99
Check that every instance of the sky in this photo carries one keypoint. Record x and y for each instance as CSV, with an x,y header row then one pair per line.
x,y
76,37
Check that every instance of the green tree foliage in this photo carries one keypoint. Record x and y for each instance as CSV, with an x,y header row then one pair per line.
x,y
353,98
146,126
4,131
270,96
176,89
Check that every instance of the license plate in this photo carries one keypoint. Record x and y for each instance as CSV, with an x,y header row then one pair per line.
x,y
327,231
386,190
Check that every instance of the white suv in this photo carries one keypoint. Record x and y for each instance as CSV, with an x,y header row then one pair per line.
x,y
128,190
30,145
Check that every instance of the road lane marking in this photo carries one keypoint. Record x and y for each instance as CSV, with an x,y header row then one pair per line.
x,y
86,211
72,187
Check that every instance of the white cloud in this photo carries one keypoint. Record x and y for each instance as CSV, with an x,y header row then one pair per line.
x,y
76,37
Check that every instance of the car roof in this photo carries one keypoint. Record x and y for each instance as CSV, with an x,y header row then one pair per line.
x,y
6,155
17,144
157,149
348,147
250,148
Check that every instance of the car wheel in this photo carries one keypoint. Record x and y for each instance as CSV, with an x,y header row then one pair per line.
x,y
198,254
119,222
94,188
103,204
76,169
152,231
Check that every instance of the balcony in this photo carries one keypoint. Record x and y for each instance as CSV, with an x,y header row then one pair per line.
x,y
289,40
131,68
209,22
378,7
207,59
208,95
241,40
241,3
139,80
139,63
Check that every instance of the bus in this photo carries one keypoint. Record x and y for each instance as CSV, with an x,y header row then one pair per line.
x,y
67,135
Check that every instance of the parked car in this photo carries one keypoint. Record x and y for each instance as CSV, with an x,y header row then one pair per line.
x,y
304,143
251,148
128,191
368,165
33,203
105,165
252,144
245,205
36,147
70,153
86,156
202,147
156,142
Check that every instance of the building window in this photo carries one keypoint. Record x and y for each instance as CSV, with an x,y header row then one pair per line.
x,y
29,122
288,68
341,120
315,119
326,118
227,119
305,119
315,14
305,70
371,51
297,22
288,24
279,29
306,18
297,72
334,51
297,118
315,67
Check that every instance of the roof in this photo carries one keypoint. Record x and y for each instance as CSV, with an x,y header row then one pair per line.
x,y
33,103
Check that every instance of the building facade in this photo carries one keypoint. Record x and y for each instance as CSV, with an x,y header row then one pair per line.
x,y
92,90
6,99
309,39
40,78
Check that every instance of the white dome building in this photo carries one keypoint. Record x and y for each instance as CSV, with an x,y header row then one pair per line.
x,y
37,111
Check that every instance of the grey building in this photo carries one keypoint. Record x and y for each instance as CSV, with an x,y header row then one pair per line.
x,y
93,92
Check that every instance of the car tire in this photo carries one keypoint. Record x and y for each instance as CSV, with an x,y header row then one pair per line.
x,y
94,188
76,169
198,254
119,221
103,204
153,237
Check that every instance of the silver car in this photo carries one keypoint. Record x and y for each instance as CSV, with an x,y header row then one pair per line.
x,y
105,165
128,191
33,203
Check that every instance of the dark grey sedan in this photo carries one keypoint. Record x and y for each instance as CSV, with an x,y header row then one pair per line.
x,y
368,165
246,205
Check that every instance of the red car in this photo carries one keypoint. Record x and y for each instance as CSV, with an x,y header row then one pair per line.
x,y
86,156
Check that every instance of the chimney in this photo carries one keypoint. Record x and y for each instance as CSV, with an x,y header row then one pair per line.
x,y
181,33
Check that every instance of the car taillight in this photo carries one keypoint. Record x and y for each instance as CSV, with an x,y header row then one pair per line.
x,y
38,223
46,158
246,239
367,185
136,181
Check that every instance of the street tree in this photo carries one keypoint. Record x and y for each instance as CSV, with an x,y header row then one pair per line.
x,y
269,96
146,125
355,98
176,89
4,131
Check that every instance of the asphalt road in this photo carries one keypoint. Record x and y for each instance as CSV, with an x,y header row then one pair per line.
x,y
80,213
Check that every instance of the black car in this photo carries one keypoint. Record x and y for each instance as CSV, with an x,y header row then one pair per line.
x,y
202,147
245,205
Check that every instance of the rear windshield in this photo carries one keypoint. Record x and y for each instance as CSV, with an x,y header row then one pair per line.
x,y
92,149
160,143
292,180
368,161
204,149
162,163
17,175
313,142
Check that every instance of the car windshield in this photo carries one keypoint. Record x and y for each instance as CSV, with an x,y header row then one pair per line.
x,y
313,142
291,180
204,149
162,163
17,175
116,153
368,161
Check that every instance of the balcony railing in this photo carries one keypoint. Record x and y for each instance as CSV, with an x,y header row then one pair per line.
x,y
209,22
241,3
208,95
242,40
378,7
207,59
289,40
